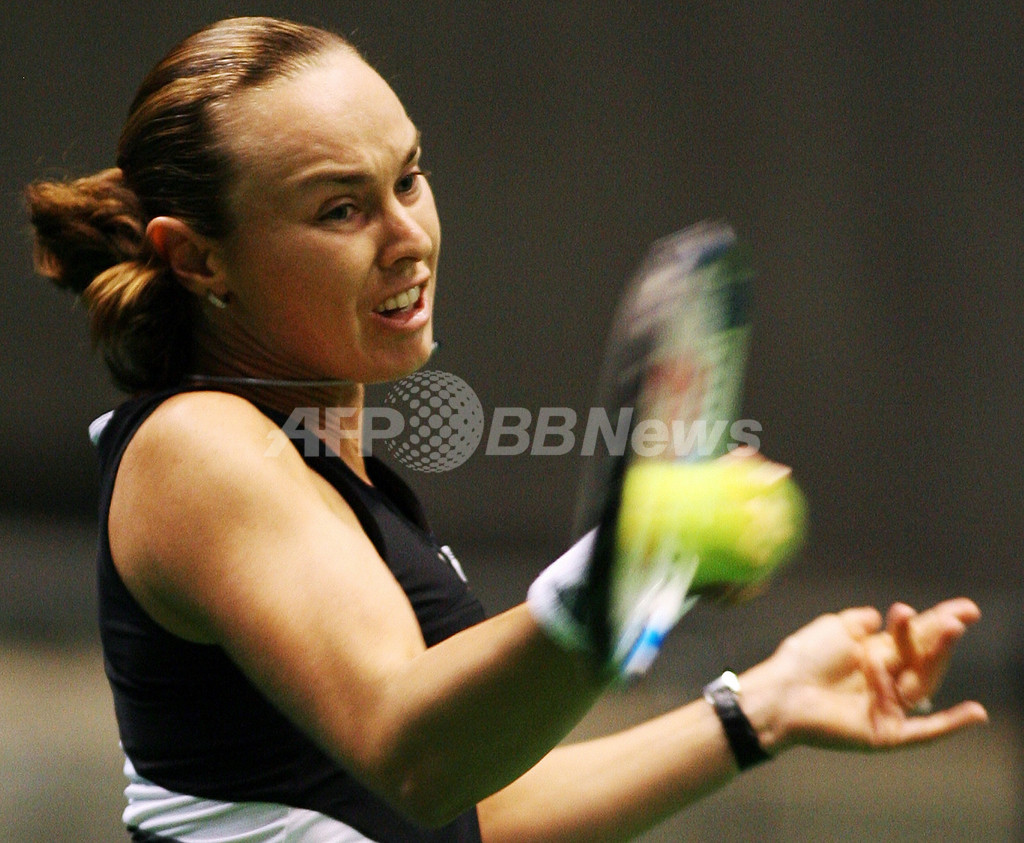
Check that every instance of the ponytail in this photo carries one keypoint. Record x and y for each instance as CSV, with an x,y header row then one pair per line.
x,y
91,233
90,239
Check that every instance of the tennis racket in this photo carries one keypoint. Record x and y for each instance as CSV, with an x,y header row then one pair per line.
x,y
671,387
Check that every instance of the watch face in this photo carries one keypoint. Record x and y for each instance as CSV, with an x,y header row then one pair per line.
x,y
723,687
731,681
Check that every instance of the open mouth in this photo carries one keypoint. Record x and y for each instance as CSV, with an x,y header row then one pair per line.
x,y
403,302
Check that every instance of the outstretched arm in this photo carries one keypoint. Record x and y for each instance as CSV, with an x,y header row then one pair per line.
x,y
224,543
842,681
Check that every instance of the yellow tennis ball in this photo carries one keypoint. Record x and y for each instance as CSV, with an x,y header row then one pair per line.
x,y
741,516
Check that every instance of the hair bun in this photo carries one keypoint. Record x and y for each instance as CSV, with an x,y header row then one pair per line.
x,y
84,227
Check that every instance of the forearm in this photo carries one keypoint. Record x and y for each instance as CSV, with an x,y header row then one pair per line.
x,y
477,717
615,787
473,713
832,683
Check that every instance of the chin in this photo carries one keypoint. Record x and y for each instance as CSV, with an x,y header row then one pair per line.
x,y
409,363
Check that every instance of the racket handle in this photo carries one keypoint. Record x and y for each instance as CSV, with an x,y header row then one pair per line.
x,y
671,605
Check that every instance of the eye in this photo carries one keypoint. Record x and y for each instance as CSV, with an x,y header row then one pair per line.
x,y
410,181
339,213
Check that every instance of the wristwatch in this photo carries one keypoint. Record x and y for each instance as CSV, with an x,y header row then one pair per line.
x,y
723,695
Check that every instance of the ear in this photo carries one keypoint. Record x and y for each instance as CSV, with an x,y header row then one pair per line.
x,y
195,259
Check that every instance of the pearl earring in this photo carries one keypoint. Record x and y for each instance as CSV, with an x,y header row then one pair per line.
x,y
215,300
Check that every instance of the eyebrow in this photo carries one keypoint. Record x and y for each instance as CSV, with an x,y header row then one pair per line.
x,y
355,178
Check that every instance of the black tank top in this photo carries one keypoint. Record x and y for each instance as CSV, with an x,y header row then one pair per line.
x,y
191,722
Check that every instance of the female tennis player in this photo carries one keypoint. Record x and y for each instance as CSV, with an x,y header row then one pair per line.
x,y
292,658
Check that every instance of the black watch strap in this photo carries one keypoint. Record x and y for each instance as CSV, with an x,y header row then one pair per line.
x,y
723,694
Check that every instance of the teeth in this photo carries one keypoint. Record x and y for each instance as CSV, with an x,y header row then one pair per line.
x,y
405,299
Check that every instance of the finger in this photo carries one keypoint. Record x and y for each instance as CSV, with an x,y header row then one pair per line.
x,y
897,624
928,647
941,723
888,699
899,617
910,689
862,621
960,609
963,608
907,659
936,630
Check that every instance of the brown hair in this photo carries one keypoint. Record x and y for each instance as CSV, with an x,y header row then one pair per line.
x,y
90,232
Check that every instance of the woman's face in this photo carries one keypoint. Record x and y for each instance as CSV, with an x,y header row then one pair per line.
x,y
332,257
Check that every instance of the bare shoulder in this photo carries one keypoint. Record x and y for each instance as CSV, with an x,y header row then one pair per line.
x,y
189,419
203,482
203,438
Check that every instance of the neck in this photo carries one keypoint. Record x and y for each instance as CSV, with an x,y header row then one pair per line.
x,y
331,408
333,413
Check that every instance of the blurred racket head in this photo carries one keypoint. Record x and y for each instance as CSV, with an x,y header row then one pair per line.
x,y
671,385
674,360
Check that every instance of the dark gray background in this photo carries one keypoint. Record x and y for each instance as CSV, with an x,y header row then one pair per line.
x,y
871,153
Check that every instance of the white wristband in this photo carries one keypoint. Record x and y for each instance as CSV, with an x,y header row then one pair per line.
x,y
552,596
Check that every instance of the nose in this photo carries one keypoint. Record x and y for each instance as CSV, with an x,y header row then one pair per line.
x,y
407,234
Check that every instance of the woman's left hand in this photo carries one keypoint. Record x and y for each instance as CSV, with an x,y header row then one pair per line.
x,y
846,682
